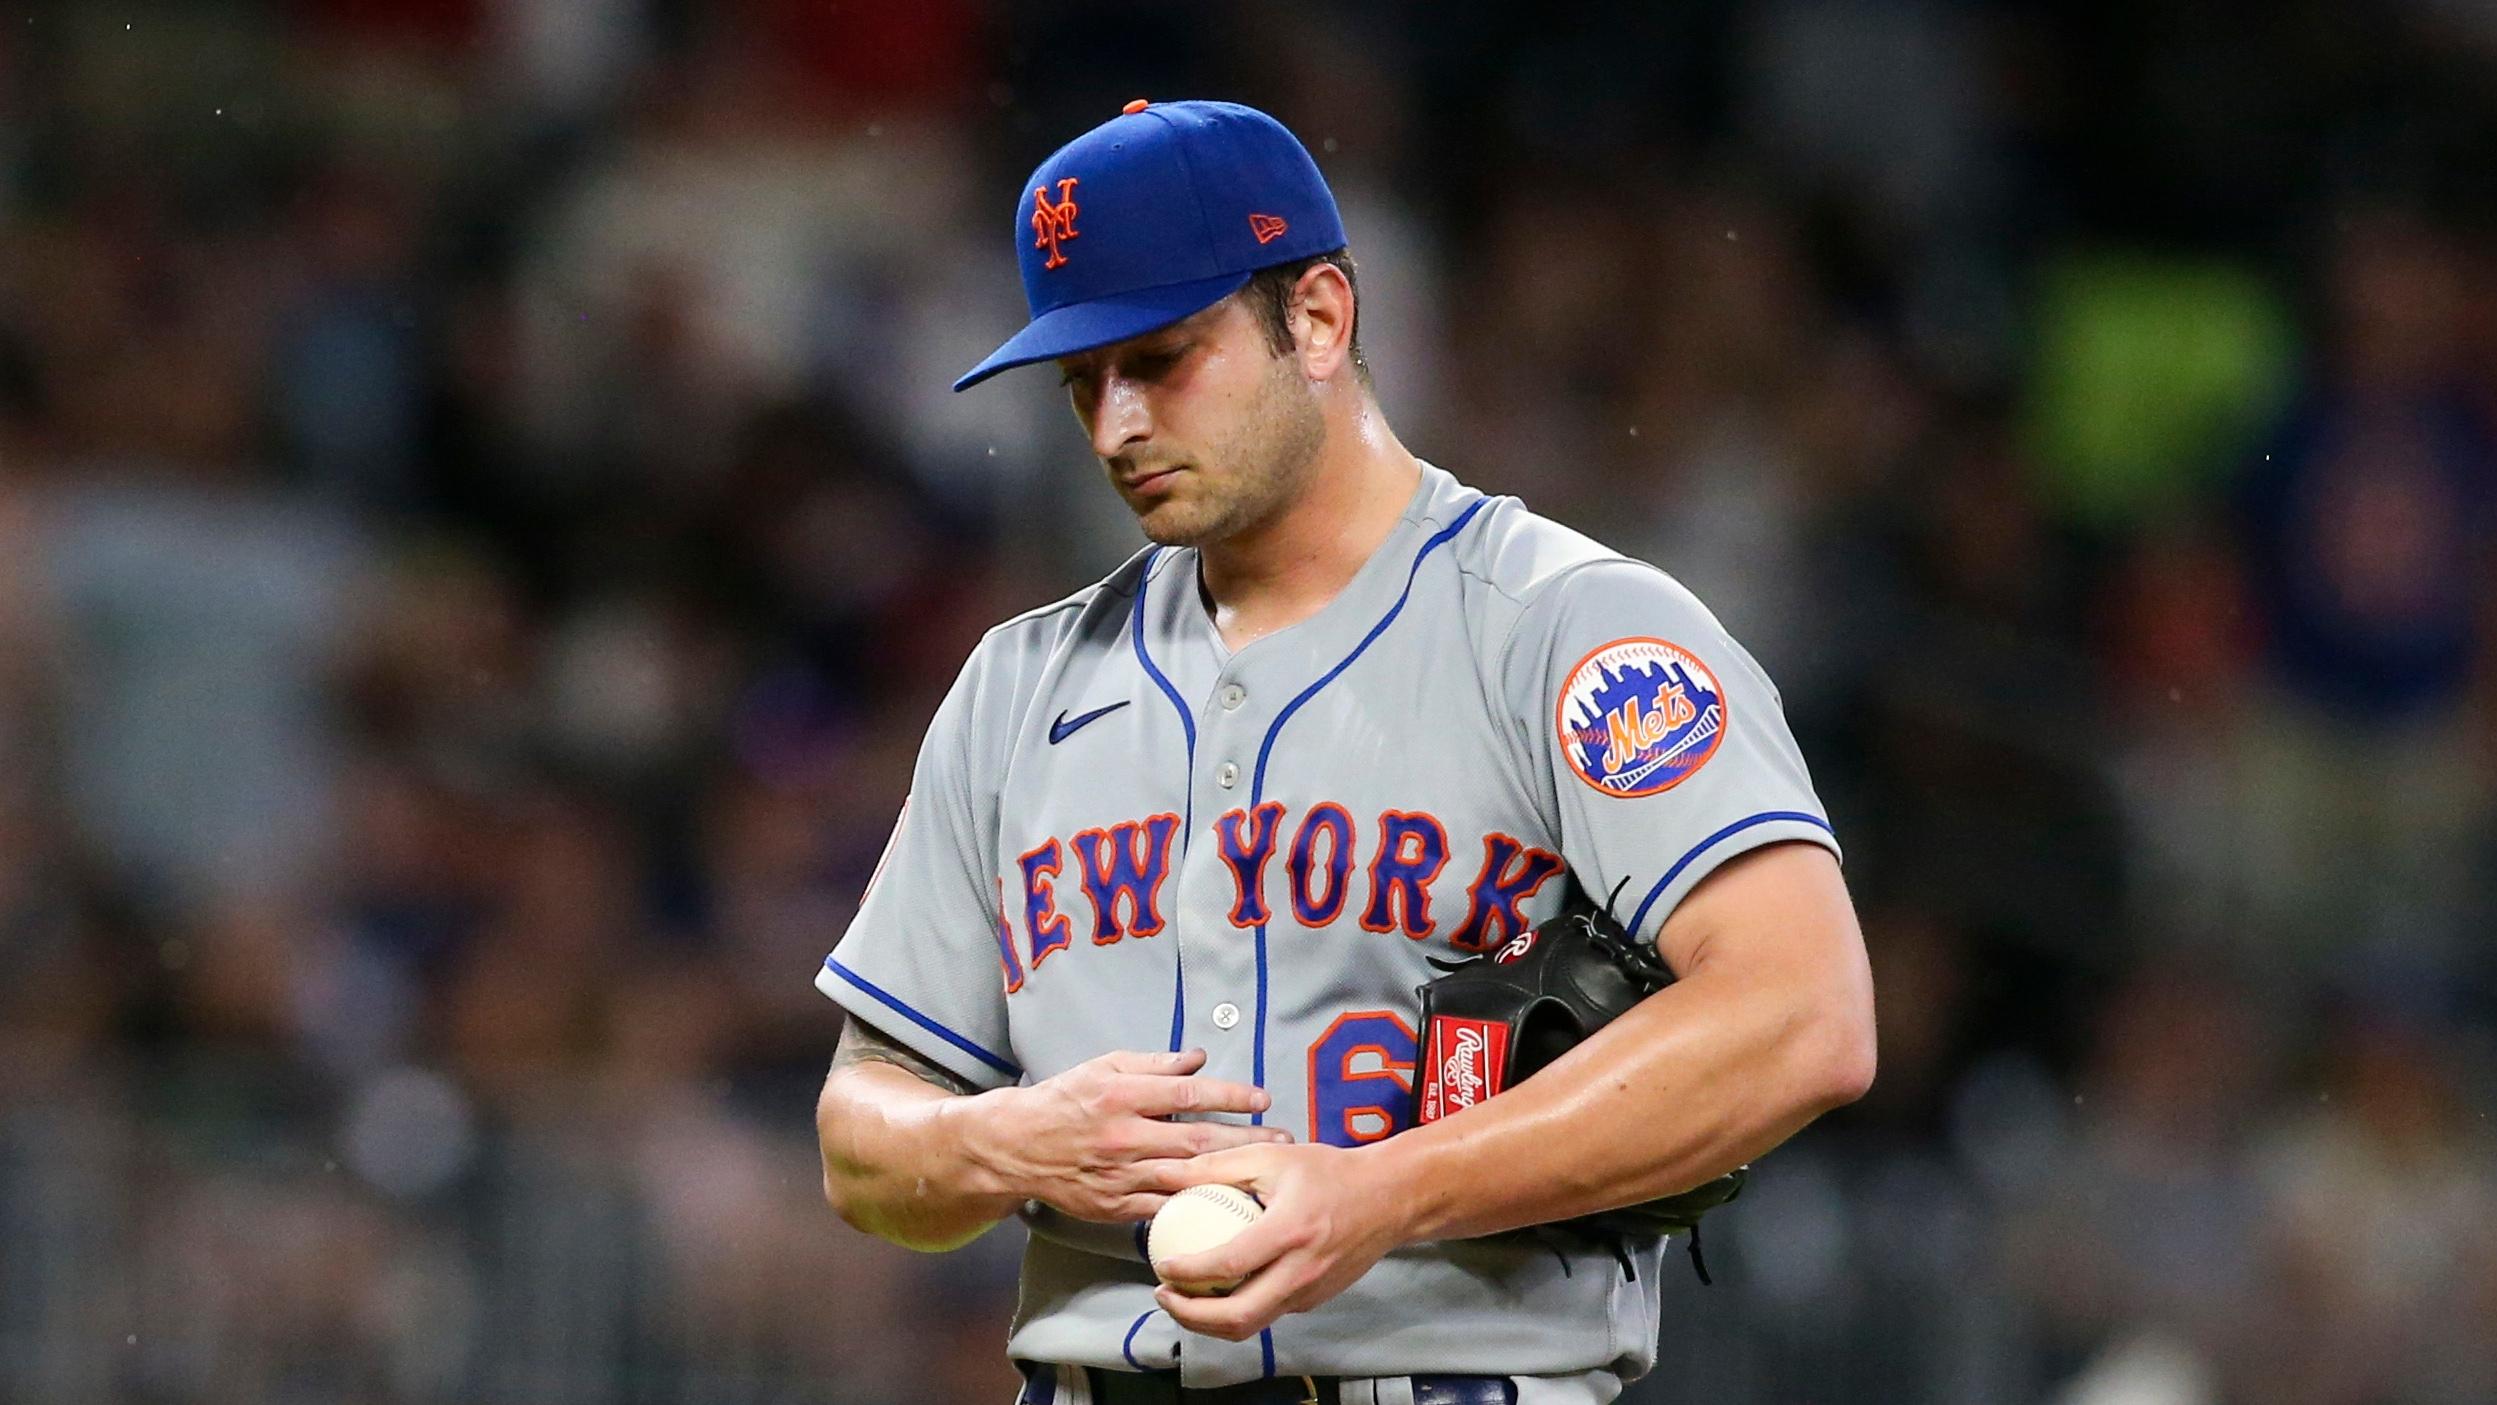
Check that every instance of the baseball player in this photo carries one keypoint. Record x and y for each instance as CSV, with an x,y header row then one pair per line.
x,y
1180,847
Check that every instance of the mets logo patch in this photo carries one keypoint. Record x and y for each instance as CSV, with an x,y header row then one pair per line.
x,y
1639,716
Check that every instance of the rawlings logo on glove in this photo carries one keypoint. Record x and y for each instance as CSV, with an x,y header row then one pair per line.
x,y
1466,1058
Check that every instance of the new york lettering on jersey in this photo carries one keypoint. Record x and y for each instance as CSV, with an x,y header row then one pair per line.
x,y
1125,866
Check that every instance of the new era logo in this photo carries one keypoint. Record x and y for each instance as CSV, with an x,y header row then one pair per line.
x,y
1267,228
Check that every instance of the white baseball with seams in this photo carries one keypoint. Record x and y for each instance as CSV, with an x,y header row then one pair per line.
x,y
1199,1218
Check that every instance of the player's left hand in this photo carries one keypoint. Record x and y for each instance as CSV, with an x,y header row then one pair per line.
x,y
1330,1214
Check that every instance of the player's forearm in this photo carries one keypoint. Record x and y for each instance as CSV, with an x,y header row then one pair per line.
x,y
1693,1082
899,1161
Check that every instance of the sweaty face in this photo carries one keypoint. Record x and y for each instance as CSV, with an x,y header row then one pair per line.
x,y
1203,430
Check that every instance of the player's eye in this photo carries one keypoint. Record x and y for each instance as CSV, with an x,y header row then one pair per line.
x,y
1153,365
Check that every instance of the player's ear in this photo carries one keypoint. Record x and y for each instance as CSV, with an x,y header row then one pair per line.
x,y
1322,321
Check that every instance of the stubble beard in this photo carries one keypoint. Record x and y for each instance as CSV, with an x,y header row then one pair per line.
x,y
1269,464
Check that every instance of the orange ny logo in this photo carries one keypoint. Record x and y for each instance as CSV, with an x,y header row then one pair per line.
x,y
1053,224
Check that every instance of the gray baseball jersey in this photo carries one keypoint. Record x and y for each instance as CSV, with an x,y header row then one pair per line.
x,y
1123,835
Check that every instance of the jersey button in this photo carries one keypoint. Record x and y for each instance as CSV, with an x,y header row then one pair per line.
x,y
1227,775
1226,1015
1232,696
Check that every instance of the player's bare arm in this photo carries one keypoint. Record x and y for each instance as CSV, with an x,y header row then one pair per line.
x,y
913,1156
1770,1025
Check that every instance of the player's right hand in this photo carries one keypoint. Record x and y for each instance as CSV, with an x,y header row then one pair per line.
x,y
1103,1140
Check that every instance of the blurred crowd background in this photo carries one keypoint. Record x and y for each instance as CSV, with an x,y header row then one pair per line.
x,y
483,526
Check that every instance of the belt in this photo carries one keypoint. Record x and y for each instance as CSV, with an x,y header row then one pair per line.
x,y
1163,1388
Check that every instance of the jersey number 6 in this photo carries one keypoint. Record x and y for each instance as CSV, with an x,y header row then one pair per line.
x,y
1361,1078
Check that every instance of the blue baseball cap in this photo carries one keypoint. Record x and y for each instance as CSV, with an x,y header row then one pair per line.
x,y
1154,216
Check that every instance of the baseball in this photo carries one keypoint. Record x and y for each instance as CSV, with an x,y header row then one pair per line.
x,y
1199,1218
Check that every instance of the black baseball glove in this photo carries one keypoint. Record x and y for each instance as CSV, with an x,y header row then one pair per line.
x,y
1495,1019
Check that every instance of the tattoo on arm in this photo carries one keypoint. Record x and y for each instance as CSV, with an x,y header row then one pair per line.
x,y
862,1043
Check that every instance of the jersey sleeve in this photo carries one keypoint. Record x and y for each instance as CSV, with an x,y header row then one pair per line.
x,y
1660,742
921,960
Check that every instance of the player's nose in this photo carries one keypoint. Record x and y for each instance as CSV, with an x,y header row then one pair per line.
x,y
1120,419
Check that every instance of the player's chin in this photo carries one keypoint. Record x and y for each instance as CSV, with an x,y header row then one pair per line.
x,y
1175,523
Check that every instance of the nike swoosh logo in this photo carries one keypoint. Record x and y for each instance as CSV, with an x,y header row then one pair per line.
x,y
1064,728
